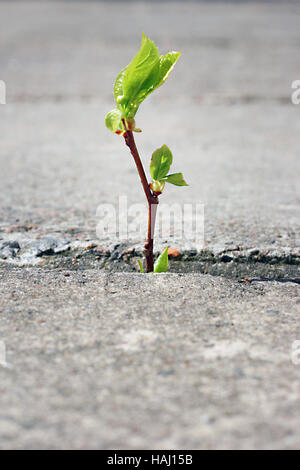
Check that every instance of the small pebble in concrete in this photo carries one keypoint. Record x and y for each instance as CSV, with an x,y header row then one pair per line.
x,y
9,249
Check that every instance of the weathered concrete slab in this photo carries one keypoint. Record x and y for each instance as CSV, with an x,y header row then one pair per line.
x,y
241,162
158,361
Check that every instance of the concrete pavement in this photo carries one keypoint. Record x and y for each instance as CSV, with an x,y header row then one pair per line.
x,y
102,359
128,361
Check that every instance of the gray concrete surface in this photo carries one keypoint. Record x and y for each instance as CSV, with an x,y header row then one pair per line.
x,y
163,361
110,360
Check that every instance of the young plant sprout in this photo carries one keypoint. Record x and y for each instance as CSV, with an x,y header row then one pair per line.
x,y
146,72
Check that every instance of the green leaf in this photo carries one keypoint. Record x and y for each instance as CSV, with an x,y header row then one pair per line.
x,y
166,64
113,120
161,264
118,87
141,266
140,75
160,162
146,72
176,179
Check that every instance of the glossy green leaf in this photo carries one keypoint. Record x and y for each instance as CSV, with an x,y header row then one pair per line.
x,y
162,262
166,64
176,179
141,74
160,162
113,120
141,266
146,72
118,89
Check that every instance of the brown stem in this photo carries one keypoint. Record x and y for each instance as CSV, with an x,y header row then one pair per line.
x,y
148,248
151,198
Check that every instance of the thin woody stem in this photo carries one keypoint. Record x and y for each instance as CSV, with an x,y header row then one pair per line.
x,y
151,198
148,248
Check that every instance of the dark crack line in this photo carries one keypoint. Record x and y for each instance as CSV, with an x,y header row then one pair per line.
x,y
273,279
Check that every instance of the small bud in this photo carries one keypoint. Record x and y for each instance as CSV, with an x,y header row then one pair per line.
x,y
157,187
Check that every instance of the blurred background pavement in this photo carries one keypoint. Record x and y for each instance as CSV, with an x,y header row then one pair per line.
x,y
225,112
